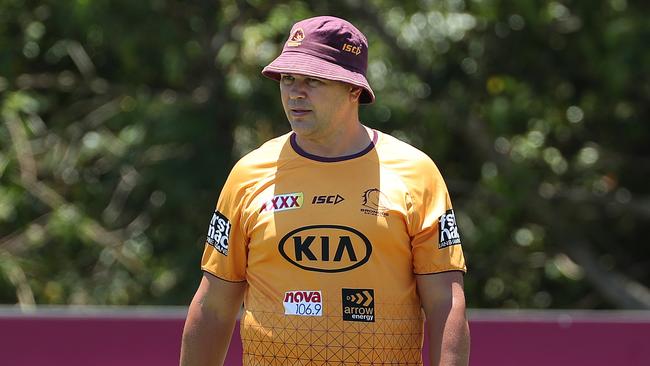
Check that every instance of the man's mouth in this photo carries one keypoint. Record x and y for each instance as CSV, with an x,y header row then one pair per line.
x,y
299,111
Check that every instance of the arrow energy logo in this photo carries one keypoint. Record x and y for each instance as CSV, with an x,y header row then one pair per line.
x,y
358,305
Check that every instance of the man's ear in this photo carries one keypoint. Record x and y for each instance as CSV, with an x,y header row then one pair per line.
x,y
355,92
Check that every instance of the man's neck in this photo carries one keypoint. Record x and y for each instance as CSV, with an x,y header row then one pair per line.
x,y
343,142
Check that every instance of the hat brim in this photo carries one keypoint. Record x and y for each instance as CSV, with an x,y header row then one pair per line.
x,y
291,62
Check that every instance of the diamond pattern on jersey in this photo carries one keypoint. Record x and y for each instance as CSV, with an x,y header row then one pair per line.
x,y
271,338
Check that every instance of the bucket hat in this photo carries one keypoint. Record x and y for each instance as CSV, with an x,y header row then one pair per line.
x,y
325,47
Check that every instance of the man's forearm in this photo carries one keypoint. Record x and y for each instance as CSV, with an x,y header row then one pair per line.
x,y
449,337
206,337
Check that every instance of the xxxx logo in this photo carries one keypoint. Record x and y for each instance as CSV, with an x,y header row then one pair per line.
x,y
282,202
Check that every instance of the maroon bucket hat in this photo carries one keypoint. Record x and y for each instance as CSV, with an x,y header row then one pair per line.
x,y
325,47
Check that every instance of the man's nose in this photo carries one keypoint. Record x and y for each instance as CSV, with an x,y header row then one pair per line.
x,y
297,90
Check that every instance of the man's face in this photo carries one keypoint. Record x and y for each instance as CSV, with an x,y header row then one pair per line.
x,y
315,107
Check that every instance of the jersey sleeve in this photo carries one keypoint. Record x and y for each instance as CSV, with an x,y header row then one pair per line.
x,y
435,240
225,253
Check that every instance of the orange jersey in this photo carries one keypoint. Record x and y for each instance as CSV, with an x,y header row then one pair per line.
x,y
330,248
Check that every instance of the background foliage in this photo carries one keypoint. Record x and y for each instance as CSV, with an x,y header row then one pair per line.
x,y
120,121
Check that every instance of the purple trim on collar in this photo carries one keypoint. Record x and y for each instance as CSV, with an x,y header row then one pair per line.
x,y
301,152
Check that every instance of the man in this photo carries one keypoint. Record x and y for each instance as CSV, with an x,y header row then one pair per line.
x,y
336,237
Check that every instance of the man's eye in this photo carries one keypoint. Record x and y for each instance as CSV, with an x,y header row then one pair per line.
x,y
314,82
286,79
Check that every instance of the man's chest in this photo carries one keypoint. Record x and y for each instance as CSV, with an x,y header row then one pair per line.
x,y
327,222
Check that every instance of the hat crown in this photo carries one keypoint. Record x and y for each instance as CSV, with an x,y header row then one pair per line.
x,y
333,39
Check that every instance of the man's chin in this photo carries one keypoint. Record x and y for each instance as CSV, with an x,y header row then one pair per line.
x,y
301,124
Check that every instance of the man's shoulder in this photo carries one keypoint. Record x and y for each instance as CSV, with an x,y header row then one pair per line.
x,y
267,155
414,167
395,151
259,164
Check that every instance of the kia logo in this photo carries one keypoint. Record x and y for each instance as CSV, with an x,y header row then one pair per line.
x,y
326,248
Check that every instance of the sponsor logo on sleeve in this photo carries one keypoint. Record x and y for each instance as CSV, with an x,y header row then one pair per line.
x,y
448,230
358,304
303,303
218,232
283,202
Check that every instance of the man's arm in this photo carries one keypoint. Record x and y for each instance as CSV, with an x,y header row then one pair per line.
x,y
210,321
443,301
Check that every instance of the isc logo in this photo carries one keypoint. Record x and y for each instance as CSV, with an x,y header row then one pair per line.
x,y
319,200
325,248
352,49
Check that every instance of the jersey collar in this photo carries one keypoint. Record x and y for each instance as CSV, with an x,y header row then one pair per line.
x,y
303,153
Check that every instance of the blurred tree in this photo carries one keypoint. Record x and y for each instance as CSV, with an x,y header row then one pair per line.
x,y
120,121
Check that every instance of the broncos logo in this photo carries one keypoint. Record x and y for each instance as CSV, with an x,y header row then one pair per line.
x,y
296,38
373,198
298,35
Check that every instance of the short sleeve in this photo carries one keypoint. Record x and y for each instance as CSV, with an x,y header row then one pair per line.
x,y
435,240
225,253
